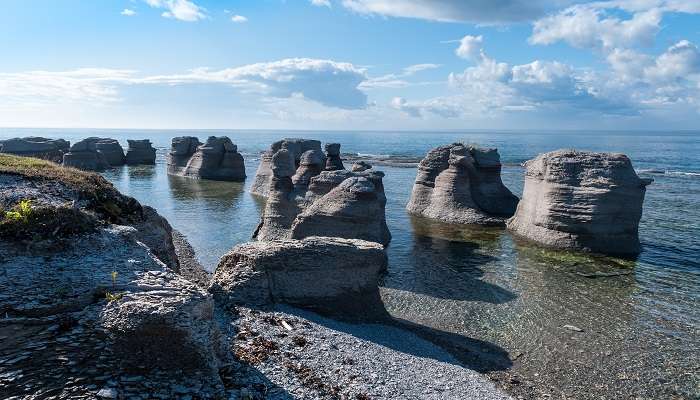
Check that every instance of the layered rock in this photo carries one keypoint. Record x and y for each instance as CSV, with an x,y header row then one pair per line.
x,y
583,201
314,272
296,147
94,154
217,159
38,147
333,160
140,152
310,165
281,207
462,185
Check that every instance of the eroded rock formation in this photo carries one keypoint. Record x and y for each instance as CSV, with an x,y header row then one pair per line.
x,y
296,147
38,147
583,201
140,152
318,272
462,185
336,203
94,154
217,159
333,160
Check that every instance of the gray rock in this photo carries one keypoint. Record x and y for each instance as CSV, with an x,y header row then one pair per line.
x,y
583,201
333,160
459,184
38,147
140,152
217,159
361,166
313,272
84,155
310,165
112,151
295,146
280,207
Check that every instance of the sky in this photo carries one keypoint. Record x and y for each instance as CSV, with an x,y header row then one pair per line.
x,y
351,64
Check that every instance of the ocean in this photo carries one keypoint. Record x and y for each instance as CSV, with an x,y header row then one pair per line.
x,y
639,319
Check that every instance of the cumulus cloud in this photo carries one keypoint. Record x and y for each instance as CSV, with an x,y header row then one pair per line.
x,y
321,3
128,12
239,19
183,10
327,82
470,47
476,11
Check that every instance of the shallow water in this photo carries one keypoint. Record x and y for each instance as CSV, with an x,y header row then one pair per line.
x,y
640,319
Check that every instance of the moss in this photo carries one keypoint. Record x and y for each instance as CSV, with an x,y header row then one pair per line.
x,y
101,196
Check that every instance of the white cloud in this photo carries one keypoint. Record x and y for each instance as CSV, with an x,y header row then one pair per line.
x,y
470,47
128,12
183,10
327,82
321,3
239,19
396,81
476,11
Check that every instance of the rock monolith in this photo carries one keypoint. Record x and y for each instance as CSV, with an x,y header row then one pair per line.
x,y
217,159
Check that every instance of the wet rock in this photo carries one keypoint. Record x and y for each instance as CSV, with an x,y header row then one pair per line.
x,y
217,159
140,152
297,147
38,147
313,272
460,184
333,160
583,201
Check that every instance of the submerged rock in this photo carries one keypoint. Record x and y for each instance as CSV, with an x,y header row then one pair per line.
x,y
317,272
296,147
140,152
583,201
217,159
38,147
462,185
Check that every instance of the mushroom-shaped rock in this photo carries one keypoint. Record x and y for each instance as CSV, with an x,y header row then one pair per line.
x,y
280,208
333,160
38,147
354,209
459,184
297,147
582,201
310,165
84,155
318,272
217,159
140,152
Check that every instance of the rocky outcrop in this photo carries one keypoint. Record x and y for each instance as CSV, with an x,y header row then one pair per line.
x,y
310,165
88,297
361,166
296,147
583,201
315,272
462,185
140,152
94,154
336,203
333,160
38,147
217,159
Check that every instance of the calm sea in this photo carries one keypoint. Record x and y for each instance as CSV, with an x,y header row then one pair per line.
x,y
640,319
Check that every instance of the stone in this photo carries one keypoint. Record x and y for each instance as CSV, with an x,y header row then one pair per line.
x,y
333,160
140,152
112,151
107,393
317,272
38,147
217,159
296,146
462,185
310,165
280,207
84,155
361,166
581,201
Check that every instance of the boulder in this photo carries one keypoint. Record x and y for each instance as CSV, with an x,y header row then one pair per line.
x,y
333,160
140,152
84,155
462,185
38,147
582,201
297,147
217,159
361,166
316,272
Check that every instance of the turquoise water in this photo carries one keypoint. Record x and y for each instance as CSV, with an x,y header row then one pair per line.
x,y
640,326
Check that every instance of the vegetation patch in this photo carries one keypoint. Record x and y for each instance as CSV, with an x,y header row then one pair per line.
x,y
26,222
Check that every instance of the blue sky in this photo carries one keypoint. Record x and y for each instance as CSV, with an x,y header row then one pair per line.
x,y
351,64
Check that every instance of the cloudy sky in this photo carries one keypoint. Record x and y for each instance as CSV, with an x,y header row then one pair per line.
x,y
351,64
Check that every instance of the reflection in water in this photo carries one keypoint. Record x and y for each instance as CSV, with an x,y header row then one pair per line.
x,y
218,195
141,172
